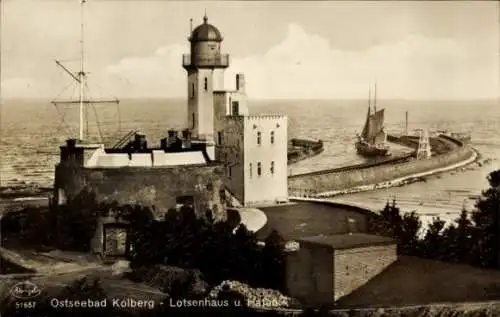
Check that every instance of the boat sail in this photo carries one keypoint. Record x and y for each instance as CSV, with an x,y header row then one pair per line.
x,y
373,139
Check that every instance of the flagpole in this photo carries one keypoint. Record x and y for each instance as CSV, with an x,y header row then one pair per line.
x,y
81,73
1,101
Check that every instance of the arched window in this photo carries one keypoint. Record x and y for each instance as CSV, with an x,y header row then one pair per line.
x,y
272,137
206,83
250,170
272,167
194,122
259,169
259,137
192,90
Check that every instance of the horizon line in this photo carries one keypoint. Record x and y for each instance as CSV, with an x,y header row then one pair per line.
x,y
271,99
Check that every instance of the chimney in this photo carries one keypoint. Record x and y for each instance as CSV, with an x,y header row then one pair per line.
x,y
172,137
71,153
140,142
186,139
70,143
240,82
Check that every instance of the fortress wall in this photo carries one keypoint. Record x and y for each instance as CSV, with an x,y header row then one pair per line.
x,y
345,179
153,187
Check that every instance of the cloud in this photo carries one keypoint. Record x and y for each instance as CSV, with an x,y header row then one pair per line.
x,y
306,65
160,74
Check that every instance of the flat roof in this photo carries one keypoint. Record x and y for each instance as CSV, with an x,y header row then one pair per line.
x,y
348,241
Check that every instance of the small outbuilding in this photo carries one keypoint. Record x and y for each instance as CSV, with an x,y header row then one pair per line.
x,y
325,268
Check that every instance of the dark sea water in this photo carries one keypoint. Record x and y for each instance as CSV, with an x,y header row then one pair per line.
x,y
32,131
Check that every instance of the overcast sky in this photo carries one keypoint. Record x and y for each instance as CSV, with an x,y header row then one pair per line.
x,y
414,50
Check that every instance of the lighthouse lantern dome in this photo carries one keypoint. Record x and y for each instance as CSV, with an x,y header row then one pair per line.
x,y
205,33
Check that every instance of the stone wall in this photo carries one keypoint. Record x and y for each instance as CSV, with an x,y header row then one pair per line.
x,y
301,149
156,188
309,274
341,179
355,267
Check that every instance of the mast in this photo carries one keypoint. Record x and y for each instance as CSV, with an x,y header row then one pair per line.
x,y
369,97
366,128
1,31
1,102
406,124
81,74
81,78
375,98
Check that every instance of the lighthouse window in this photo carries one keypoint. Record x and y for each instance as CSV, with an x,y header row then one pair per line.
x,y
236,108
194,124
259,169
250,168
192,90
272,167
259,137
206,83
272,137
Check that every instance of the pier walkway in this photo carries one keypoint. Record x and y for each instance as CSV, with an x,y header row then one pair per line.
x,y
450,154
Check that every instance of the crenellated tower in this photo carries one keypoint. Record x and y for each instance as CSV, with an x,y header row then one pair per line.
x,y
205,67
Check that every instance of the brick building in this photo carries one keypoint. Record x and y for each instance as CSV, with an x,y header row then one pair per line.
x,y
325,268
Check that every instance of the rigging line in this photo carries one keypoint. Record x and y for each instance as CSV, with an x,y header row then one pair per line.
x,y
87,93
63,115
89,99
102,91
62,123
98,124
119,118
95,114
63,90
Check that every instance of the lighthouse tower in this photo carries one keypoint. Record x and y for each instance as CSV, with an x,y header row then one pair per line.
x,y
205,67
252,147
424,146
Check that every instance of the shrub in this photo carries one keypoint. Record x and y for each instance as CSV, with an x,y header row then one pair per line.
x,y
474,241
183,240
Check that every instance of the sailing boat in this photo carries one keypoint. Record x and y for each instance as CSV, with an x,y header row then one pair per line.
x,y
373,139
80,78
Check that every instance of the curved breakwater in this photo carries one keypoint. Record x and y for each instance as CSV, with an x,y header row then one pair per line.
x,y
394,172
301,149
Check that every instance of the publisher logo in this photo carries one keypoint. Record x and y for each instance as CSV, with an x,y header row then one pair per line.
x,y
25,290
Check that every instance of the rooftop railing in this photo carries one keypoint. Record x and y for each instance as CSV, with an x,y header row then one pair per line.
x,y
221,60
